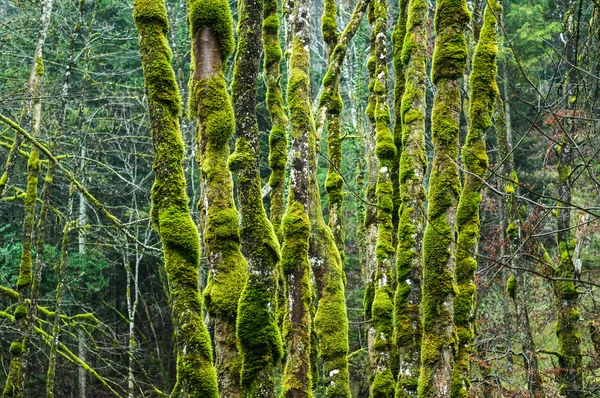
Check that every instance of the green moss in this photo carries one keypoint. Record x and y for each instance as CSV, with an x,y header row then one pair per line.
x,y
196,376
385,149
12,388
274,100
511,286
568,319
25,271
20,312
215,15
412,170
450,53
484,93
329,25
297,378
151,11
16,348
257,330
439,338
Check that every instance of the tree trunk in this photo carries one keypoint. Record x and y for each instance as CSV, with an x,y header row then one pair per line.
x,y
483,96
567,295
196,376
212,43
56,326
410,113
439,240
15,381
382,307
257,330
516,286
295,266
330,110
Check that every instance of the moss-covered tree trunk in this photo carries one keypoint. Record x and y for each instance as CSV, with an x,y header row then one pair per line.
x,y
371,211
567,295
274,100
330,109
15,381
295,266
331,322
383,384
196,376
410,113
439,240
334,182
257,330
398,35
483,96
31,116
212,42
277,136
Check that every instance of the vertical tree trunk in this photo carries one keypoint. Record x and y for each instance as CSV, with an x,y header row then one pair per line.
x,y
196,376
56,326
297,377
277,136
567,295
15,381
326,242
330,110
483,96
371,212
274,100
212,42
257,331
398,35
334,182
32,111
82,221
410,113
382,308
439,241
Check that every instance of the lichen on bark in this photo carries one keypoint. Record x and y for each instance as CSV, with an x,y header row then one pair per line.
x,y
170,214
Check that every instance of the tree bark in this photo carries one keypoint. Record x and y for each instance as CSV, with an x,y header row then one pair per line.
x,y
257,330
410,111
483,96
196,376
439,240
